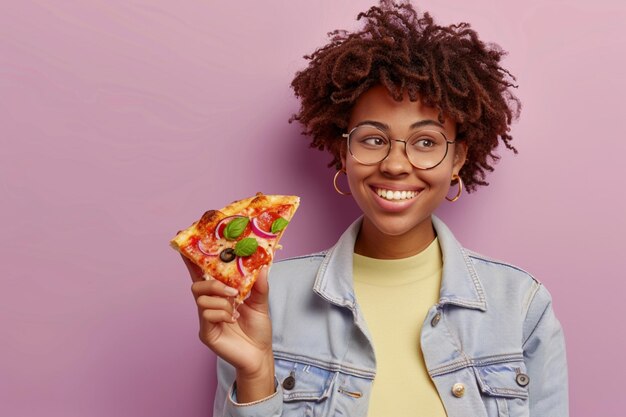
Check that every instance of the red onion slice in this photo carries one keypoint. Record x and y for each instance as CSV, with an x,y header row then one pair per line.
x,y
205,250
224,221
240,267
261,233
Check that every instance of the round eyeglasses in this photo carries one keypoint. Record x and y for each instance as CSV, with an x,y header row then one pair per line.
x,y
425,148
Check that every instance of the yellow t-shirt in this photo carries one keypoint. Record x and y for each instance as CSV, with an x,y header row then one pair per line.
x,y
394,296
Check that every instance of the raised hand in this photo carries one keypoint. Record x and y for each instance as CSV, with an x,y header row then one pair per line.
x,y
241,336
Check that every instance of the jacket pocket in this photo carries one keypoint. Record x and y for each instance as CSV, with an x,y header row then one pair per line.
x,y
504,388
305,387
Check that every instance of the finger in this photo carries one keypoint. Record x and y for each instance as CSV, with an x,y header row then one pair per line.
x,y
218,316
194,270
212,287
259,294
206,302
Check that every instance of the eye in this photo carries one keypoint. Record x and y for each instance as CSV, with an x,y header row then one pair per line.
x,y
426,141
373,141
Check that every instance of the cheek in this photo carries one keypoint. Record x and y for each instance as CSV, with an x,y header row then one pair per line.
x,y
356,176
355,173
438,180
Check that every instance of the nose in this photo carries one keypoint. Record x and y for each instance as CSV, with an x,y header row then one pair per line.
x,y
397,162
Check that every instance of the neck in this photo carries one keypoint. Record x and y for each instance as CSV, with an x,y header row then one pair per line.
x,y
373,243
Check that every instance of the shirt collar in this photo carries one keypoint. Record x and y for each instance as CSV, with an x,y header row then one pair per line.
x,y
460,284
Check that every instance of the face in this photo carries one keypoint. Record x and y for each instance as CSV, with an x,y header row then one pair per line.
x,y
426,189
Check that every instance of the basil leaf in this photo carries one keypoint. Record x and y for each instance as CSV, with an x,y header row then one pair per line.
x,y
246,246
235,228
278,225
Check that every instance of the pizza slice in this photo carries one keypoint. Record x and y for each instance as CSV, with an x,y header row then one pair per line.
x,y
234,243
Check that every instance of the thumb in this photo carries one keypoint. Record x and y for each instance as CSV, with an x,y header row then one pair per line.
x,y
258,298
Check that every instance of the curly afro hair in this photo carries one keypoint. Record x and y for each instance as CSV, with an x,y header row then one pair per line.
x,y
447,67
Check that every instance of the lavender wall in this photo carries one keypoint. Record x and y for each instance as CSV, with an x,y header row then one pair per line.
x,y
119,119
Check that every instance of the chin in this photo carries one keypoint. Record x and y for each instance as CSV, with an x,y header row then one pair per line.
x,y
399,227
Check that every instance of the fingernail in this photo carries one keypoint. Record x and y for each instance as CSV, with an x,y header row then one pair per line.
x,y
231,291
235,315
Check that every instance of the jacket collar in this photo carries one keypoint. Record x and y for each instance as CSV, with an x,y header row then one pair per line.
x,y
460,284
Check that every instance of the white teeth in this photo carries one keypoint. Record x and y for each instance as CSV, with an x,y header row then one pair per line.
x,y
395,195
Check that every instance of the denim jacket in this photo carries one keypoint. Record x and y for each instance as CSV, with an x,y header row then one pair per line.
x,y
492,344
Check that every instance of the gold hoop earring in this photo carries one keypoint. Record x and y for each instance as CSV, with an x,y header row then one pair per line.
x,y
458,194
335,183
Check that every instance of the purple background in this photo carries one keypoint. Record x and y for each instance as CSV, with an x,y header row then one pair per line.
x,y
120,118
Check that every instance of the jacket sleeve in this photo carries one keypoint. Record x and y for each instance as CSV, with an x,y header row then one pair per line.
x,y
226,405
544,355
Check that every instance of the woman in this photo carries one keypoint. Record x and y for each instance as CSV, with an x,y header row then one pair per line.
x,y
397,318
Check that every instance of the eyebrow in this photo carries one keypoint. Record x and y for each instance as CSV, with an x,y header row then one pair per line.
x,y
384,126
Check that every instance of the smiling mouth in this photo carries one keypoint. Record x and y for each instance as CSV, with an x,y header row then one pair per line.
x,y
395,195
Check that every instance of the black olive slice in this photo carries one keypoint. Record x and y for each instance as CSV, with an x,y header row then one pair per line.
x,y
227,255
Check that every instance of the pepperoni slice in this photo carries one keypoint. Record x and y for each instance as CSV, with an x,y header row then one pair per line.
x,y
266,218
256,260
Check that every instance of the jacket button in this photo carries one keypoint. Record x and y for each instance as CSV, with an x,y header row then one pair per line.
x,y
289,382
435,319
522,380
458,390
